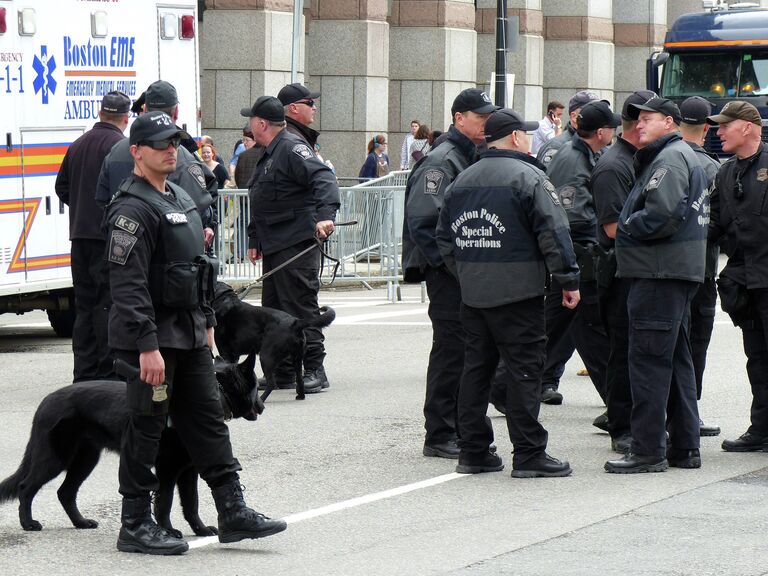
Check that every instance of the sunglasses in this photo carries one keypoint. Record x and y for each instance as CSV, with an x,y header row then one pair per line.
x,y
310,102
162,144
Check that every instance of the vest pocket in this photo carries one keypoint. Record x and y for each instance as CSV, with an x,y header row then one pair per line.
x,y
180,285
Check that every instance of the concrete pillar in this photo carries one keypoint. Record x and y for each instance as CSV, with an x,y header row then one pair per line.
x,y
349,64
578,48
245,52
433,57
639,29
526,63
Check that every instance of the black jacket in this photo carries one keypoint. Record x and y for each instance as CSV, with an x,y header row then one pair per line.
x,y
78,177
304,132
501,227
711,165
137,254
612,179
662,228
551,147
291,191
740,218
424,198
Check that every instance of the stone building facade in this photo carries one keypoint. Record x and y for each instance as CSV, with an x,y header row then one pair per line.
x,y
382,63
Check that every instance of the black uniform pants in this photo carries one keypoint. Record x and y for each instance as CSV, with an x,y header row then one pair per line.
x,y
93,360
513,333
446,359
294,289
756,348
660,366
196,413
580,328
618,394
703,310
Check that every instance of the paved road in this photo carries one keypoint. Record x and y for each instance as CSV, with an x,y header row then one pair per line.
x,y
345,468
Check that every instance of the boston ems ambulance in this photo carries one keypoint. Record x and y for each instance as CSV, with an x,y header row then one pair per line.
x,y
57,59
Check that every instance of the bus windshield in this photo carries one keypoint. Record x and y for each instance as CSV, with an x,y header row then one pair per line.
x,y
729,74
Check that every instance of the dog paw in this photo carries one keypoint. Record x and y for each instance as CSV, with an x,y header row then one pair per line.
x,y
175,533
206,531
300,397
86,524
32,526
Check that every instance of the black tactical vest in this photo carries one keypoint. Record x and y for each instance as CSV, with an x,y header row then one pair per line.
x,y
179,261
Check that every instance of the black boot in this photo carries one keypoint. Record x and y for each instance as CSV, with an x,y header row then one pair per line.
x,y
139,533
236,520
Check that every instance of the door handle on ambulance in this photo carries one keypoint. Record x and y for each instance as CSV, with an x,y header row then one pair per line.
x,y
8,142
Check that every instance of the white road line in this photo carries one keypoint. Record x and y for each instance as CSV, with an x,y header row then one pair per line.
x,y
346,504
379,316
26,325
426,323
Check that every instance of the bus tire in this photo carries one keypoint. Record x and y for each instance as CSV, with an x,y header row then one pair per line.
x,y
62,322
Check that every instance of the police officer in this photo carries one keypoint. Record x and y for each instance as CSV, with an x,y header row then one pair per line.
x,y
740,219
422,261
76,187
160,322
570,171
575,104
612,178
300,105
191,174
501,226
294,199
693,128
660,246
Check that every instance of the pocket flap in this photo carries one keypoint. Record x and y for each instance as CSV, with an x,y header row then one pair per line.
x,y
656,325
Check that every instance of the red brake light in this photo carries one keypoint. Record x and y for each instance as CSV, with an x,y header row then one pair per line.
x,y
187,27
3,26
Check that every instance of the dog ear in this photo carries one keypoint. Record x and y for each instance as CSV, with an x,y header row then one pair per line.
x,y
249,363
219,364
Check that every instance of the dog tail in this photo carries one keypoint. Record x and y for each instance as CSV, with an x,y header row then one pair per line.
x,y
327,315
9,488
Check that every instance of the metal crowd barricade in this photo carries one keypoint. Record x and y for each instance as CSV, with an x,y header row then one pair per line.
x,y
368,251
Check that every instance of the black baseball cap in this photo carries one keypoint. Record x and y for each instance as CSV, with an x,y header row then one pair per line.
x,y
294,92
695,110
160,95
596,115
637,97
266,107
656,104
154,126
505,121
115,103
581,99
472,100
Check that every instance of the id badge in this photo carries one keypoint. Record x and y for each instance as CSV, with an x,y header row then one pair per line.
x,y
160,393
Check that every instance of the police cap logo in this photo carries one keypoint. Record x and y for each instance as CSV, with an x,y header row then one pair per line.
x,y
302,151
656,178
432,180
196,172
125,223
486,98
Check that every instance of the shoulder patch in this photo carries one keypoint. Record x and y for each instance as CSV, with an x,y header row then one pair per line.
x,y
656,178
433,178
125,223
548,155
302,151
550,190
566,196
120,246
197,173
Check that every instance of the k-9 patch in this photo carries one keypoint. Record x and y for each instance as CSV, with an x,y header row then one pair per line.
x,y
125,223
432,181
120,246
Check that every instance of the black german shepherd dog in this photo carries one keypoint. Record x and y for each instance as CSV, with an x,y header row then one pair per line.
x,y
73,424
272,334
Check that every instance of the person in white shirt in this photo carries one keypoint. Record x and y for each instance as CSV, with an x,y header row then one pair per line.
x,y
549,126
405,151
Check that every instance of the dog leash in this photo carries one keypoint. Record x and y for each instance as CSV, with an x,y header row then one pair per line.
x,y
243,292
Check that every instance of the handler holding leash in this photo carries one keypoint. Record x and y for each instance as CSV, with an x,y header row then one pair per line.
x,y
161,281
294,198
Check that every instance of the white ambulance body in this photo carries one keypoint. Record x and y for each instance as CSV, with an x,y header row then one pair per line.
x,y
57,59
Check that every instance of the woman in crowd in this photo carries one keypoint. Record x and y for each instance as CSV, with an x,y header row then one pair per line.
x,y
377,163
